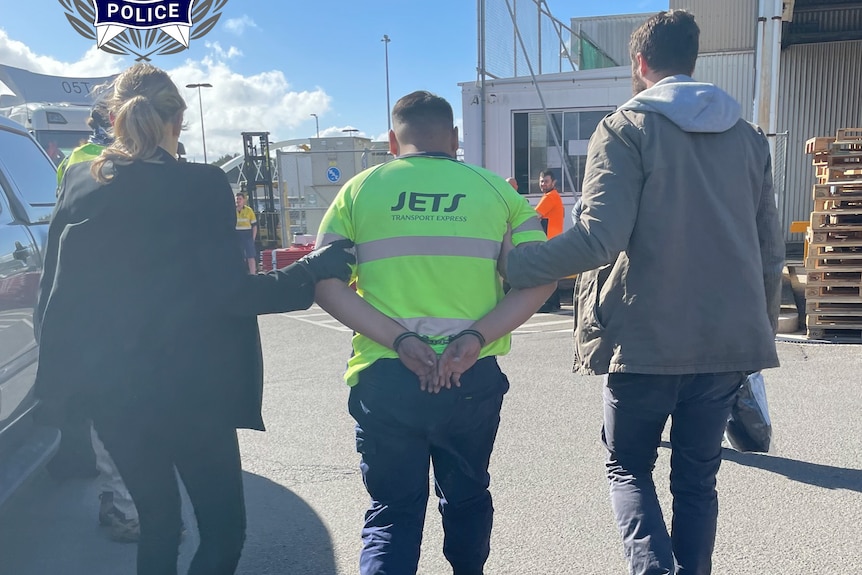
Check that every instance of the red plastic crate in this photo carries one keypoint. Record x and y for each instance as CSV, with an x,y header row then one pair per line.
x,y
286,256
266,260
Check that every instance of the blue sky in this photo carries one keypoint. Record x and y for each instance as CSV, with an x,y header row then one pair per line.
x,y
274,62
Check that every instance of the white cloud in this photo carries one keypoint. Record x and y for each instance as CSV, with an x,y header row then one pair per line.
x,y
341,132
94,62
236,103
222,54
260,103
239,25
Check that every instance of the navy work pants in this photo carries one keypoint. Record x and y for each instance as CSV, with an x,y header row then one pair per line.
x,y
399,431
636,408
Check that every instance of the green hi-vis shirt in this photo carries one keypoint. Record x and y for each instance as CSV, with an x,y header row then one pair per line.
x,y
428,232
83,153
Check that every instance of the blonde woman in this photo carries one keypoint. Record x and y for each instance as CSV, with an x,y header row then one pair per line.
x,y
147,314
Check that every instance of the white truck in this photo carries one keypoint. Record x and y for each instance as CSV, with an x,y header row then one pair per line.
x,y
54,109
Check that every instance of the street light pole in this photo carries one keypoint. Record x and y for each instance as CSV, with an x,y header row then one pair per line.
x,y
316,125
201,104
386,41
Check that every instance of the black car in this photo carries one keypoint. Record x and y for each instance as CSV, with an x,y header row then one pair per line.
x,y
28,183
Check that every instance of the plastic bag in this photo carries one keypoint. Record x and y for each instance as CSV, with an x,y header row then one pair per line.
x,y
749,427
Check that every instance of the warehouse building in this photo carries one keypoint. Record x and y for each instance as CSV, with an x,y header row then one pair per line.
x,y
795,66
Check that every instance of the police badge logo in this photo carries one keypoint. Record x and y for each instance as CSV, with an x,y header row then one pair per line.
x,y
143,28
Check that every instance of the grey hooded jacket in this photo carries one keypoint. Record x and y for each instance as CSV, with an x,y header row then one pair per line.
x,y
679,238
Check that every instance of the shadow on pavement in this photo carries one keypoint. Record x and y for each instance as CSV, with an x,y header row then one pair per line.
x,y
50,528
285,535
811,473
825,476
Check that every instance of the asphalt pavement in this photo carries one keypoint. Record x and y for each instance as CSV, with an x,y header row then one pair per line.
x,y
796,510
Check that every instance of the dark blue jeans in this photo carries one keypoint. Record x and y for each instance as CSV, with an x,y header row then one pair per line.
x,y
636,409
400,430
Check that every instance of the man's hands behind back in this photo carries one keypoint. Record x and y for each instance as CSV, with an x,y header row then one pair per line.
x,y
459,356
421,359
438,372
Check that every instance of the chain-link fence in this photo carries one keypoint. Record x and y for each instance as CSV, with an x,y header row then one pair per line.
x,y
522,38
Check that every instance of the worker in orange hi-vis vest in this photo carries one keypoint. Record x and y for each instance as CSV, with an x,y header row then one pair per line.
x,y
551,212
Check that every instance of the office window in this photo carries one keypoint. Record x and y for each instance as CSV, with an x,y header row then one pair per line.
x,y
535,147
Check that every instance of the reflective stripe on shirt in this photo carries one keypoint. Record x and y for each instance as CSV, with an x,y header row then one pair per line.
x,y
427,246
435,326
531,225
326,239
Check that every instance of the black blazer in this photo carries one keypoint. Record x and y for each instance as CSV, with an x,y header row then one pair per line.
x,y
146,302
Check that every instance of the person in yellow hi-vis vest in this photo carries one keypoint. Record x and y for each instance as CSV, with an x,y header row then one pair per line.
x,y
246,228
430,316
100,122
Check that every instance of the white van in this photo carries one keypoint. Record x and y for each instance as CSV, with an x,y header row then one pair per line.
x,y
54,109
59,128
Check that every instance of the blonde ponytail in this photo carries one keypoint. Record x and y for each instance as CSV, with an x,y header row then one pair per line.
x,y
144,99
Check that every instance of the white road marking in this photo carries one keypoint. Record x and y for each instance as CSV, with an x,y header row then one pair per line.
x,y
543,323
303,319
531,331
15,314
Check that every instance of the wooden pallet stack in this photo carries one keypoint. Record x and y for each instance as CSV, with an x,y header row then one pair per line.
x,y
833,293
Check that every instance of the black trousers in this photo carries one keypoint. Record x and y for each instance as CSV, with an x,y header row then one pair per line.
x,y
149,449
76,457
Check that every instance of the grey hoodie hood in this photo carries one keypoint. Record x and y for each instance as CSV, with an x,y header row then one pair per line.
x,y
693,106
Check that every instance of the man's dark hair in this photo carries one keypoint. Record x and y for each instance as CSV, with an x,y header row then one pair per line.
x,y
548,172
423,111
668,42
99,117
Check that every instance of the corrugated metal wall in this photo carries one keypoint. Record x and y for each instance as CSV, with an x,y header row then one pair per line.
x,y
610,33
836,19
733,72
725,25
821,91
